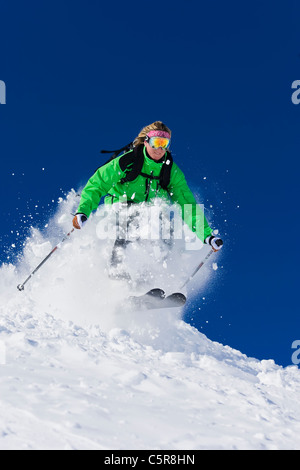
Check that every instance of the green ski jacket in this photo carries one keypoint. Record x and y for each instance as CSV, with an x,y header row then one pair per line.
x,y
106,182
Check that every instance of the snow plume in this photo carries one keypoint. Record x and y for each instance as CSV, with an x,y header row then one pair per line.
x,y
76,282
81,370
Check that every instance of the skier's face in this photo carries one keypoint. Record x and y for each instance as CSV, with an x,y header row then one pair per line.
x,y
155,154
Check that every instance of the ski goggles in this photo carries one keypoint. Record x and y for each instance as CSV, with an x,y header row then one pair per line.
x,y
158,142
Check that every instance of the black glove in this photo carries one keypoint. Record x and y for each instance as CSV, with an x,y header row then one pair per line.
x,y
215,242
79,220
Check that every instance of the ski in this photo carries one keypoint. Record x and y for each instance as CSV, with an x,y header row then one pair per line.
x,y
149,299
156,299
173,301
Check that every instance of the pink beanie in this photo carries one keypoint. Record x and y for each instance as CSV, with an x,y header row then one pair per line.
x,y
164,134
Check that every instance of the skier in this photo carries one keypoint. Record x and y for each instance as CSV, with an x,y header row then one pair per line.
x,y
144,173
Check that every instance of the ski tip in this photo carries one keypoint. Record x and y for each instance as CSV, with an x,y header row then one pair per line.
x,y
176,300
158,293
146,301
178,297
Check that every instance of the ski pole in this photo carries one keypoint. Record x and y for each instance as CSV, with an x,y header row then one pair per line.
x,y
198,267
20,287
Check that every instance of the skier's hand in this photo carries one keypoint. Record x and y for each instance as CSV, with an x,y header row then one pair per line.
x,y
79,220
215,242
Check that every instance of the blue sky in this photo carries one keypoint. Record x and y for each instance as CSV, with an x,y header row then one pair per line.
x,y
82,76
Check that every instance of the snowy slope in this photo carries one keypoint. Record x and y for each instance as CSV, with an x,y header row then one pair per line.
x,y
82,371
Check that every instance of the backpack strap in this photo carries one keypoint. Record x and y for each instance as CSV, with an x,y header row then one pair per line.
x,y
165,174
132,162
116,153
